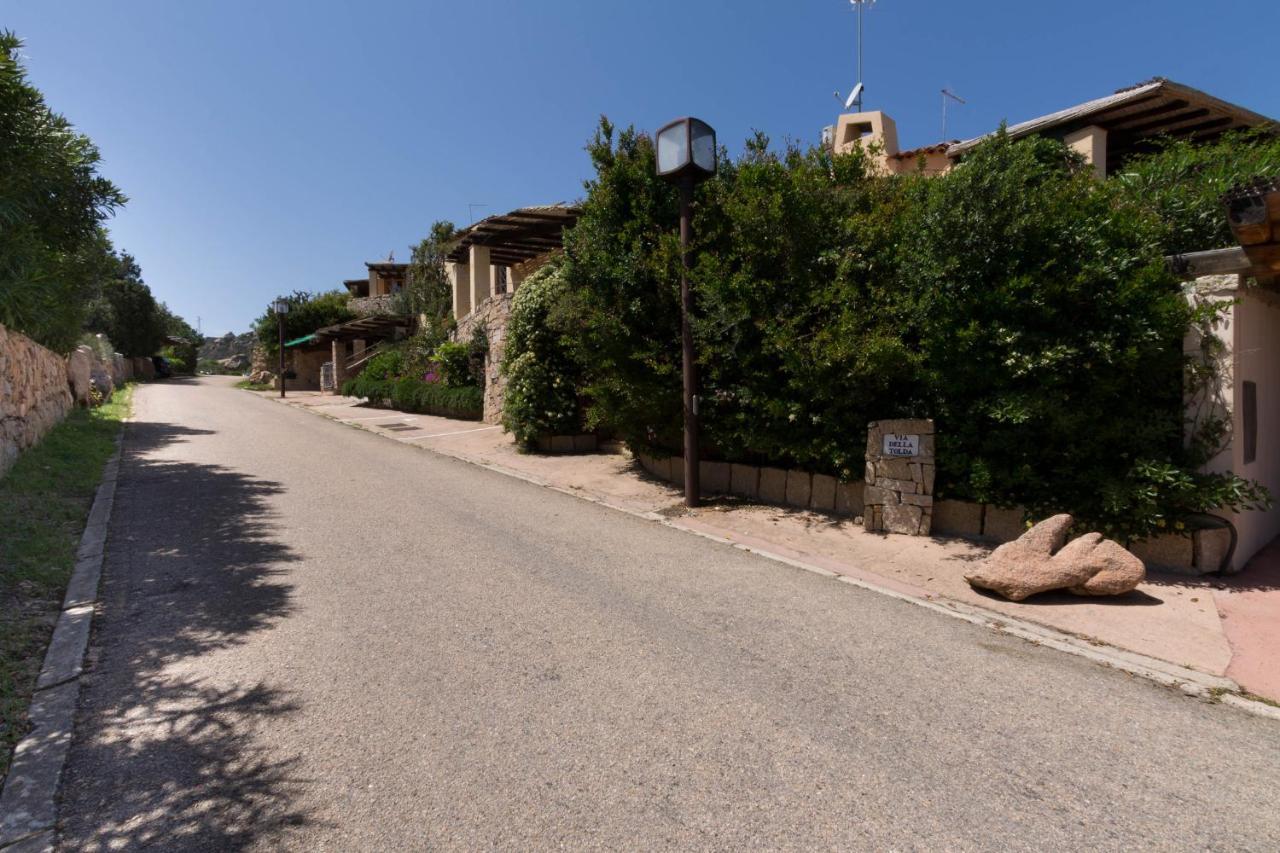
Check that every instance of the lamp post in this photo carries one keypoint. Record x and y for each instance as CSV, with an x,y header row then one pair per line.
x,y
686,156
281,308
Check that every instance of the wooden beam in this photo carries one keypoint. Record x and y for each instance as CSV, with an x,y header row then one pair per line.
x,y
1122,122
1213,262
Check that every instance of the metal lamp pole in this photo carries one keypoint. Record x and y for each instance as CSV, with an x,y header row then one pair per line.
x,y
692,485
282,308
686,150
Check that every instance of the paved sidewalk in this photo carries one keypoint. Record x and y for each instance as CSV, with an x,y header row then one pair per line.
x,y
1222,627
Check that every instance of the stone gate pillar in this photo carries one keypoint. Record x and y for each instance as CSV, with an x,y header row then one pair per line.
x,y
899,482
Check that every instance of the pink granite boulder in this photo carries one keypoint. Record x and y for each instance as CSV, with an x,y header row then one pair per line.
x,y
1042,560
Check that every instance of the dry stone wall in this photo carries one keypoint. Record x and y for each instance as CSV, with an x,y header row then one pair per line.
x,y
34,394
900,475
492,315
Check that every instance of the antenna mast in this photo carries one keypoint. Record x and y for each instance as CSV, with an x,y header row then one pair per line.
x,y
858,89
948,94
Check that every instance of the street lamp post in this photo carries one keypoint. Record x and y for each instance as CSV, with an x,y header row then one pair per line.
x,y
282,308
686,156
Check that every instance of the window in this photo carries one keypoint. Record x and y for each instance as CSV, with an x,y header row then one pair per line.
x,y
1250,421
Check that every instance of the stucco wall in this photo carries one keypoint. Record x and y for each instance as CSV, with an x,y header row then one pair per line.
x,y
493,315
1251,332
34,394
1255,336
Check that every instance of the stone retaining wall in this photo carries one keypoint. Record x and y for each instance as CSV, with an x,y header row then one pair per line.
x,y
1197,554
492,315
34,394
799,489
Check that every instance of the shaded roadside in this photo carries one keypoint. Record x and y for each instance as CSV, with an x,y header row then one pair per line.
x,y
44,503
193,565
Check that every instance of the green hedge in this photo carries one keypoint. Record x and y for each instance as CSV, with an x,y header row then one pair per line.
x,y
1017,300
382,387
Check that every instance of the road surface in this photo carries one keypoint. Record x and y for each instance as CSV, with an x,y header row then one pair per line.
x,y
314,638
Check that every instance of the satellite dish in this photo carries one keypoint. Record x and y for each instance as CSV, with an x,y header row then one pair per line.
x,y
855,97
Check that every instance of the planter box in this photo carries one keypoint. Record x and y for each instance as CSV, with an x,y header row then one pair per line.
x,y
563,444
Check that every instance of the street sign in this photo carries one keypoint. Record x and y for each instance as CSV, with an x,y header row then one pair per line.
x,y
901,445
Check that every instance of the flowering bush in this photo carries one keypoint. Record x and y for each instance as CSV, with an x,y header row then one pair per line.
x,y
542,377
390,379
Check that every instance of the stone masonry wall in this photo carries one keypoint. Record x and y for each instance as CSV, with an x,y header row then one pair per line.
x,y
493,315
900,475
34,394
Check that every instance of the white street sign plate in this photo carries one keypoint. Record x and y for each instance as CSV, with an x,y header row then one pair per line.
x,y
901,445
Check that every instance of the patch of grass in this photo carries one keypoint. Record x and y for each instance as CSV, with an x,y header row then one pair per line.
x,y
254,386
46,498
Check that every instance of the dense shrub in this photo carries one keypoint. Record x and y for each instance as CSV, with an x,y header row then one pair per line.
x,y
391,379
410,394
1051,335
1017,300
454,359
1183,184
385,365
542,375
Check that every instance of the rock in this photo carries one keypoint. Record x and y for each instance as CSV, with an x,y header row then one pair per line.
x,y
100,376
79,373
1041,560
237,362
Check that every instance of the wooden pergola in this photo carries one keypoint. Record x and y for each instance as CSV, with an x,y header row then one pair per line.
x,y
518,236
372,328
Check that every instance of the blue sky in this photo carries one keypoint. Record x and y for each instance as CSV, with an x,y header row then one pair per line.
x,y
273,145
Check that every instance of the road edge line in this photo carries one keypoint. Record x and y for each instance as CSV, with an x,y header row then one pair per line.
x,y
28,800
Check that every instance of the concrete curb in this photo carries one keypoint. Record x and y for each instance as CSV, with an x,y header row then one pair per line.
x,y
28,803
1191,682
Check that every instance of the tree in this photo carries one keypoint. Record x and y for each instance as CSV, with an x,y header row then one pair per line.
x,y
52,205
428,292
126,312
307,313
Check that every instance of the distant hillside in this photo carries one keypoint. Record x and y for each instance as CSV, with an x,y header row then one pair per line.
x,y
216,349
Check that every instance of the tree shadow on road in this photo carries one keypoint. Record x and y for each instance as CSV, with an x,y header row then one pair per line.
x,y
169,752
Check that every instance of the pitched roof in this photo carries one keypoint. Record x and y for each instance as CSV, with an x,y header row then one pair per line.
x,y
1154,108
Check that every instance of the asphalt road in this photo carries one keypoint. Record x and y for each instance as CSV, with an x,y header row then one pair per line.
x,y
315,638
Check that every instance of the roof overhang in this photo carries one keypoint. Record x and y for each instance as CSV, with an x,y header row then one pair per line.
x,y
518,236
374,326
1156,108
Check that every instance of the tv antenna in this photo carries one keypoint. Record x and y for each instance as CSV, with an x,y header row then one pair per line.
x,y
855,97
948,95
471,210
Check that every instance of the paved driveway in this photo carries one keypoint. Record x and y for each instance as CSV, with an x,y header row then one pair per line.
x,y
313,638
